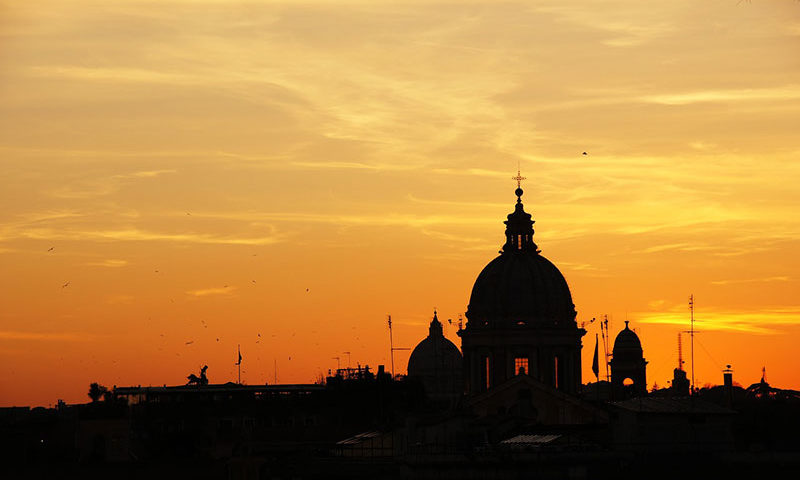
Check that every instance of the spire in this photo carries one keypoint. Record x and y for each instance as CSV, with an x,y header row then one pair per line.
x,y
519,226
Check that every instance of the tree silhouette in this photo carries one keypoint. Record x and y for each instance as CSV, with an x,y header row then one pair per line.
x,y
96,391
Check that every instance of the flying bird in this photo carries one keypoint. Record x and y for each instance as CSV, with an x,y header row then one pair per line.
x,y
584,153
190,342
65,285
51,249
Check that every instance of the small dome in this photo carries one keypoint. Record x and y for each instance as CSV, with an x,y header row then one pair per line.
x,y
627,344
437,362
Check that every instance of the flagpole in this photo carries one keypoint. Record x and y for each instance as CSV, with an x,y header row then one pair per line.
x,y
239,363
595,366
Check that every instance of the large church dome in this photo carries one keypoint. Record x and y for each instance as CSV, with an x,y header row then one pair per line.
x,y
520,286
520,318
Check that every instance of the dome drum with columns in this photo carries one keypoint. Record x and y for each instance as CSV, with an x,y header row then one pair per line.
x,y
520,317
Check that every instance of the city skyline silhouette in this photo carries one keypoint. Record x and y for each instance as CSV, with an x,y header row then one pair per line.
x,y
281,177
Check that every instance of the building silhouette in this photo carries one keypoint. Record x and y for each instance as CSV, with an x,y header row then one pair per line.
x,y
438,364
520,318
628,366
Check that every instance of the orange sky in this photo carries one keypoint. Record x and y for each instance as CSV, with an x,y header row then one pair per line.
x,y
208,171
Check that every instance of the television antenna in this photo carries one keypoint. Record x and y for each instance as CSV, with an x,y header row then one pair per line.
x,y
392,348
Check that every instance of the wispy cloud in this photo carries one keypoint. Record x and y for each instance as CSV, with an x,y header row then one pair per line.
x,y
204,292
138,75
111,263
779,278
791,92
768,321
47,336
683,246
137,235
452,237
454,203
121,299
353,166
147,173
378,219
580,267
104,185
479,172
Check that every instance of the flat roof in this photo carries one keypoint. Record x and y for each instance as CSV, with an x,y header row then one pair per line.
x,y
220,388
671,405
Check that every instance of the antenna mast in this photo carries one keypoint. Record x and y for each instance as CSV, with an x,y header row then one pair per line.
x,y
680,352
604,333
691,333
391,344
348,358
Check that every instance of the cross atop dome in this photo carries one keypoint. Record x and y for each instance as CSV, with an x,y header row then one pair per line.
x,y
519,178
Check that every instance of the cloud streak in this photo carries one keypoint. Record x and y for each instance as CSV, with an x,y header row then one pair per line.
x,y
768,321
47,336
110,263
779,278
205,292
775,94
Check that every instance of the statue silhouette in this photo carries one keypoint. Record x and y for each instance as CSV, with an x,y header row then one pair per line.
x,y
201,380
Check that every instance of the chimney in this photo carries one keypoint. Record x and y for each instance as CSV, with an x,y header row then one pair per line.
x,y
727,385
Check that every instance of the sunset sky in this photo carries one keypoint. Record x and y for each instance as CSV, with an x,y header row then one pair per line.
x,y
182,176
